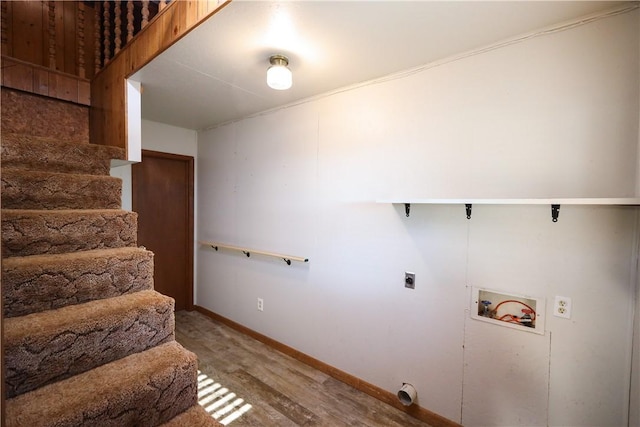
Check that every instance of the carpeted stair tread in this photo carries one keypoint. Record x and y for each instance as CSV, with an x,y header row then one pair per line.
x,y
20,151
86,340
143,389
196,416
34,232
42,282
26,189
53,345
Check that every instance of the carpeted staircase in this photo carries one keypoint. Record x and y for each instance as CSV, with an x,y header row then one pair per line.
x,y
87,341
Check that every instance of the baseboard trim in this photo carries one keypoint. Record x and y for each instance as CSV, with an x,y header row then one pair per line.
x,y
389,398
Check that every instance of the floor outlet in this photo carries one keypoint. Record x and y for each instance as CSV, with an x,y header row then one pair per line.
x,y
562,307
260,304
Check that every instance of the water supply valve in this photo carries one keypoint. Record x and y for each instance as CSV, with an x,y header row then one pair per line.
x,y
485,309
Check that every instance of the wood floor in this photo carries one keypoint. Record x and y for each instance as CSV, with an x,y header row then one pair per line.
x,y
246,383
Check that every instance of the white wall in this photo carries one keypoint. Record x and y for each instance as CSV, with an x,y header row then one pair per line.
x,y
122,170
553,116
169,139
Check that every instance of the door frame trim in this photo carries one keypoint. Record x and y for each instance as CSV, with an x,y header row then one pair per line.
x,y
190,248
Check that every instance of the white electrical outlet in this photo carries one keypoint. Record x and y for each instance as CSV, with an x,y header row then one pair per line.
x,y
562,307
260,304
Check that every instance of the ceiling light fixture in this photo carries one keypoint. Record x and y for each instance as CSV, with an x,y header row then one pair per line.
x,y
278,75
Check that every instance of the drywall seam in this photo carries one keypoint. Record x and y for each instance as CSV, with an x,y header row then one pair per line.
x,y
633,413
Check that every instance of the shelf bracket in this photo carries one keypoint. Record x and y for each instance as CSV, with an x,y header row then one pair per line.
x,y
247,253
407,209
467,207
288,261
555,212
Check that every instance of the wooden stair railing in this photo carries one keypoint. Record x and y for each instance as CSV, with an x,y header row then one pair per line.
x,y
54,48
119,23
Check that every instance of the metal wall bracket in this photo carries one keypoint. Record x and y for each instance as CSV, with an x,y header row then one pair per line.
x,y
467,207
555,212
407,209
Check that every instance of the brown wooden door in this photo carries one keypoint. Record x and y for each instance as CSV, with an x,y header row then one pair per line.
x,y
162,195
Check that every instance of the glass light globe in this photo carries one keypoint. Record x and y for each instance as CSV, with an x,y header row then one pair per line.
x,y
279,77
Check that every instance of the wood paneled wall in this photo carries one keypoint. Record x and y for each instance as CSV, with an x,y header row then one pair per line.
x,y
44,81
108,121
58,35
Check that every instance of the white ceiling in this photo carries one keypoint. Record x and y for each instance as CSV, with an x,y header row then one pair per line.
x,y
217,73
